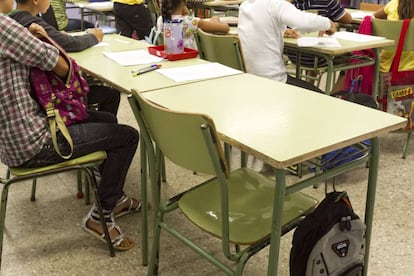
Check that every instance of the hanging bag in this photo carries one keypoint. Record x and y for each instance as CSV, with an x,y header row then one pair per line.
x,y
364,74
397,86
64,101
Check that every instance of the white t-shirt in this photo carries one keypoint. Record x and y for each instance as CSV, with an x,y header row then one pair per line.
x,y
260,28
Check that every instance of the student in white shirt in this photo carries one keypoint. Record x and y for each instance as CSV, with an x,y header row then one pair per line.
x,y
261,26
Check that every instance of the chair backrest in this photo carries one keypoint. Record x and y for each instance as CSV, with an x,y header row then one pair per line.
x,y
154,8
181,137
370,6
224,49
391,29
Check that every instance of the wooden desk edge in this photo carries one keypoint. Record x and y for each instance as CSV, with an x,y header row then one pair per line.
x,y
313,154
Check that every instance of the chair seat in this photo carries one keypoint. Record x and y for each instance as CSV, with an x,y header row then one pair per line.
x,y
246,188
89,158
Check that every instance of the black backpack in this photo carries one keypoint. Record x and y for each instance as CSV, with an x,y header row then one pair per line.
x,y
329,241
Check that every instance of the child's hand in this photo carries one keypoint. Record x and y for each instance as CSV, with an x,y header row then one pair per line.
x,y
290,33
97,33
215,19
332,29
37,30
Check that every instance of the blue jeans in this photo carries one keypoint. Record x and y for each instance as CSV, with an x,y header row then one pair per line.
x,y
99,132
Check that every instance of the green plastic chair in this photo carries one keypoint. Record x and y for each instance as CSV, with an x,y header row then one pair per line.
x,y
84,163
391,29
222,48
234,206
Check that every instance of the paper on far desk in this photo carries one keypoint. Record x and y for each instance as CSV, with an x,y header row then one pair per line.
x,y
356,36
318,41
198,72
360,14
134,57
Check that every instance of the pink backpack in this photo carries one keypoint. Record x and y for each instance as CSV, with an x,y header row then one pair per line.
x,y
68,97
64,101
366,73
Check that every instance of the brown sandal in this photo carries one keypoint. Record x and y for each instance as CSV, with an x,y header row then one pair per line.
x,y
117,241
129,209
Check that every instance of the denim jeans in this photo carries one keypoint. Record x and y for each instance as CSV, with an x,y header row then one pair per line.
x,y
130,18
104,98
99,132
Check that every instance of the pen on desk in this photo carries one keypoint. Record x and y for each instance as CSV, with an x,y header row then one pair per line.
x,y
145,69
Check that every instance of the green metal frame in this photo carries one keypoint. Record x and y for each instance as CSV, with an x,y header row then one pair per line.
x,y
241,253
84,164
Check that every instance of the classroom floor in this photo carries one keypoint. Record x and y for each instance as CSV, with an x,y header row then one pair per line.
x,y
44,237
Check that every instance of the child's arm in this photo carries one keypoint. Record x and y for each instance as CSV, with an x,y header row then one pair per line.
x,y
380,14
214,25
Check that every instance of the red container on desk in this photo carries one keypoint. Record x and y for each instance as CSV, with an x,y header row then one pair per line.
x,y
160,52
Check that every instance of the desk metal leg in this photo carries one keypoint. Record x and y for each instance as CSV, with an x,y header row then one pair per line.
x,y
82,19
369,208
144,201
376,74
273,262
329,75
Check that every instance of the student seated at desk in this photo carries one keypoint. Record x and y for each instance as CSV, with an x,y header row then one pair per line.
x,y
132,18
396,10
25,139
177,9
327,8
103,97
63,21
261,28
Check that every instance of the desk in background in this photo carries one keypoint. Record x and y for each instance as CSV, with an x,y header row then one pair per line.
x,y
328,53
102,9
347,46
357,17
282,125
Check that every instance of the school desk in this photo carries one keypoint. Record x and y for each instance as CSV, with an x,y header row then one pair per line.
x,y
284,125
93,62
346,47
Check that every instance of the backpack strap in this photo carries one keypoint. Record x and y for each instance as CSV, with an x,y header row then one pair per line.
x,y
55,123
396,62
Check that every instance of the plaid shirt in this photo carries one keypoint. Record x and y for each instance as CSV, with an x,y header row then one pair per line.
x,y
23,125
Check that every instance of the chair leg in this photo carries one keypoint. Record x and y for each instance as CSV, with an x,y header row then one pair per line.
x,y
144,202
405,148
80,189
92,181
33,195
154,260
3,207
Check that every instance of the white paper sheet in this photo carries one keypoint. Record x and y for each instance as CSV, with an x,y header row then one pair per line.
x,y
198,72
318,41
134,57
356,37
360,14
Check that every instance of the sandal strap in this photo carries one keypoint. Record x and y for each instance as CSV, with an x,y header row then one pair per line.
x,y
94,215
116,241
110,222
124,198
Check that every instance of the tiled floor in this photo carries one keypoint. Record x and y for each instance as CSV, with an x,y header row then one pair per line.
x,y
44,237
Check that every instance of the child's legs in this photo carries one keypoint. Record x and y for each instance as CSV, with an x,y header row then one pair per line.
x,y
129,18
119,142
